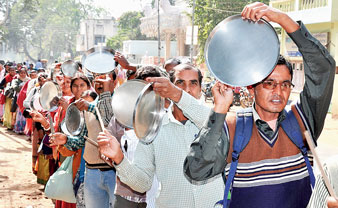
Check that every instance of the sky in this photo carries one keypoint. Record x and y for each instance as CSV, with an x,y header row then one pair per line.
x,y
118,7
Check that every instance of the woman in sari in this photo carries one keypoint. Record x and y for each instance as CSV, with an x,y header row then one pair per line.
x,y
79,84
18,120
7,117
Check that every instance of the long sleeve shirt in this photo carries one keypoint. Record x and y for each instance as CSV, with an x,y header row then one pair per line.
x,y
207,157
164,157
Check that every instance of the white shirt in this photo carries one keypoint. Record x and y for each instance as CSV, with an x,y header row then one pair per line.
x,y
165,157
130,138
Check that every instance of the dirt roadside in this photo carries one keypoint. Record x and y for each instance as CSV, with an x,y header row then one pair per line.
x,y
18,186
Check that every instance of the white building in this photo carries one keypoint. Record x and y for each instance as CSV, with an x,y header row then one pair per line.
x,y
95,32
146,51
320,18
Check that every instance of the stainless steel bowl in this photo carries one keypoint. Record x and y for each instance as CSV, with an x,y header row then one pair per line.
x,y
241,52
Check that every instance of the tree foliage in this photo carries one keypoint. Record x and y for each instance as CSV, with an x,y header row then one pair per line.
x,y
208,13
45,28
5,9
128,29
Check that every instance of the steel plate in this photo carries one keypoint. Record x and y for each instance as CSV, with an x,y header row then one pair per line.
x,y
99,60
148,114
73,120
49,96
135,105
69,68
241,52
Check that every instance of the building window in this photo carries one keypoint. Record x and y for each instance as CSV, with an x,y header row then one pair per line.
x,y
99,39
99,29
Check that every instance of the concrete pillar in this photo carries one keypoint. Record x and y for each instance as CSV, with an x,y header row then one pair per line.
x,y
334,101
167,45
178,35
334,53
296,5
180,42
282,49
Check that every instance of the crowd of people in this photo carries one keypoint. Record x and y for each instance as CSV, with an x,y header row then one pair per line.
x,y
194,160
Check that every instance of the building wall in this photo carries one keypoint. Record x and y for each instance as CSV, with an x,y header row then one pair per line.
x,y
139,50
319,16
95,32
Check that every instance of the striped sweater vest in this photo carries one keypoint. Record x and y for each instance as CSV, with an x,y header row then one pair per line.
x,y
270,172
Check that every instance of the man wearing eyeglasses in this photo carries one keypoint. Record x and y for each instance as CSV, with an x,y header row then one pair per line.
x,y
271,170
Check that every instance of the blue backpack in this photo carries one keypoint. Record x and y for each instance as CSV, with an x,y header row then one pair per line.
x,y
243,132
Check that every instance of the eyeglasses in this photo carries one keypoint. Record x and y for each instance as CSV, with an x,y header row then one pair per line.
x,y
272,84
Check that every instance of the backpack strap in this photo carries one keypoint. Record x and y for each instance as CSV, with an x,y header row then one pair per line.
x,y
291,127
244,124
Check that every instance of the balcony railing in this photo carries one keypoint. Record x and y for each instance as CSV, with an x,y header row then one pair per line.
x,y
290,5
285,6
311,4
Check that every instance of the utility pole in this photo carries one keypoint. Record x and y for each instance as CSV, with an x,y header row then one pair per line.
x,y
192,31
158,32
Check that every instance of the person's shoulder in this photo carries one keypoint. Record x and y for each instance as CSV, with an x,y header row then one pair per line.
x,y
231,117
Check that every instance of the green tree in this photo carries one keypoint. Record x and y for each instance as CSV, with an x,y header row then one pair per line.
x,y
45,28
128,29
208,13
5,9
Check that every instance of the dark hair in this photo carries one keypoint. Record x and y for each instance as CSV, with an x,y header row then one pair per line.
x,y
130,73
79,64
32,71
41,74
173,61
283,61
185,67
90,93
83,77
114,74
23,69
13,67
9,63
149,71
